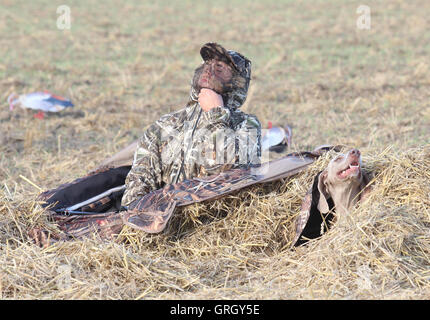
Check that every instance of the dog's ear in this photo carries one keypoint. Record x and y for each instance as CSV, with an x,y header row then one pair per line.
x,y
323,206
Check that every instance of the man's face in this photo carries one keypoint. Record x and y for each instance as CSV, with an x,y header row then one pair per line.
x,y
215,75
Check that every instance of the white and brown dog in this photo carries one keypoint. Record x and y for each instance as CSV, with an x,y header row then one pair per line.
x,y
336,189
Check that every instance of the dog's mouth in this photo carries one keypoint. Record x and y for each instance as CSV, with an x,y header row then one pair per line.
x,y
353,169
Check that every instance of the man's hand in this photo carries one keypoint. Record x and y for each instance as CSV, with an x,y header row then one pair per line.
x,y
209,99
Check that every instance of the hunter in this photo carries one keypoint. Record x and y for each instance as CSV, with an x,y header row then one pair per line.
x,y
206,137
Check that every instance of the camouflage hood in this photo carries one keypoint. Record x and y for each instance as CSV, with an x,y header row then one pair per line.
x,y
241,66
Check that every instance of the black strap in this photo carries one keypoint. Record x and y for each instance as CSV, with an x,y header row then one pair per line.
x,y
312,229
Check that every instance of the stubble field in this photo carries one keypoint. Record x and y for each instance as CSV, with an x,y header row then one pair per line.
x,y
125,64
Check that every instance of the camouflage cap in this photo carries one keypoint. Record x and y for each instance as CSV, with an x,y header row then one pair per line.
x,y
236,60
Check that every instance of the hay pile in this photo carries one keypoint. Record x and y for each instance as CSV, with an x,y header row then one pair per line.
x,y
240,247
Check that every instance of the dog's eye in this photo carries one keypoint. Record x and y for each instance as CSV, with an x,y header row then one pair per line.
x,y
338,158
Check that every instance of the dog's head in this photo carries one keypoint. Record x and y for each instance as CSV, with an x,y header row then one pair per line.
x,y
342,178
336,188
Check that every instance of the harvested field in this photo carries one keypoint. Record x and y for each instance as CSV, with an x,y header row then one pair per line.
x,y
124,65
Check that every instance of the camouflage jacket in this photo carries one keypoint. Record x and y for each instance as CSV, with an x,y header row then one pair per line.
x,y
192,143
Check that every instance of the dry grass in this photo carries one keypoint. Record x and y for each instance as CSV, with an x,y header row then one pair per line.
x,y
311,68
240,247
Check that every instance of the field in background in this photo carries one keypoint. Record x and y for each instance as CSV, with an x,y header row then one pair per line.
x,y
125,64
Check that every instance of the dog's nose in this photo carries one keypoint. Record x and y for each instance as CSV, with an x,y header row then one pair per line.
x,y
355,152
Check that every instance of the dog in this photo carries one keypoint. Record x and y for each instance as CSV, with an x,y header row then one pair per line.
x,y
336,189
